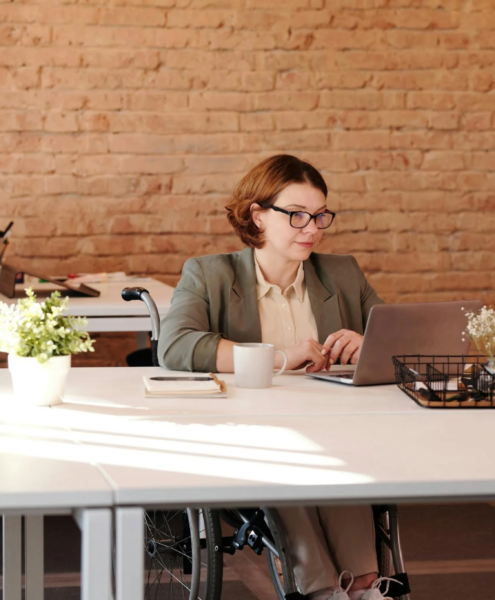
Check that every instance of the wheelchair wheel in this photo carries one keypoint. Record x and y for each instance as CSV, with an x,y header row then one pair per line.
x,y
168,555
383,553
275,569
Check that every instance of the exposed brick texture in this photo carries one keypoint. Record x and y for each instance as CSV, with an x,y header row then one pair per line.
x,y
125,124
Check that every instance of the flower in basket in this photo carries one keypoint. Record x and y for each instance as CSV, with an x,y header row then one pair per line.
x,y
40,341
481,329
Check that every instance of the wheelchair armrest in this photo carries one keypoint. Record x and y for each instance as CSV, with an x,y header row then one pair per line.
x,y
133,293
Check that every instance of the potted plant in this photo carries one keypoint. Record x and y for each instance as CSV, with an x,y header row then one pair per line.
x,y
481,329
40,342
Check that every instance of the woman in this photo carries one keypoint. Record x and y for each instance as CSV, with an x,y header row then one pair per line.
x,y
313,306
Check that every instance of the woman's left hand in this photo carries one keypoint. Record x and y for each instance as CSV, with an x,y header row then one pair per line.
x,y
343,344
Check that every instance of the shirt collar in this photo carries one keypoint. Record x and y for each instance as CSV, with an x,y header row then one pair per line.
x,y
263,287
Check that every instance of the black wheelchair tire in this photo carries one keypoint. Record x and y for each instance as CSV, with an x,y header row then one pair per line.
x,y
383,553
215,556
172,560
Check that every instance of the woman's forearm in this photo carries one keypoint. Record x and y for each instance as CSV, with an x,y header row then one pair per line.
x,y
225,356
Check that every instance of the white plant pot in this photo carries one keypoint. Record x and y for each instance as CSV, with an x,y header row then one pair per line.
x,y
39,384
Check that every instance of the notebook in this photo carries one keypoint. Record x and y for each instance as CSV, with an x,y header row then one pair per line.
x,y
184,385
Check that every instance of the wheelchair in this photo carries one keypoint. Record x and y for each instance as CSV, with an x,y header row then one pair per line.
x,y
184,548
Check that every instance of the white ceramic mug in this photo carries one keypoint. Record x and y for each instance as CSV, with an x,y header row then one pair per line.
x,y
253,365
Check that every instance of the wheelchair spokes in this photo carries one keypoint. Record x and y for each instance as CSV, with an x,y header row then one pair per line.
x,y
168,556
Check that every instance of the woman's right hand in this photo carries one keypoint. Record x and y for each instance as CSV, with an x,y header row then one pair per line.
x,y
305,353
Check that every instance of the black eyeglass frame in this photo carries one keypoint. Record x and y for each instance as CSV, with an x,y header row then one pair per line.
x,y
311,217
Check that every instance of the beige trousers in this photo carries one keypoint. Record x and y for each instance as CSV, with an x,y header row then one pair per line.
x,y
323,541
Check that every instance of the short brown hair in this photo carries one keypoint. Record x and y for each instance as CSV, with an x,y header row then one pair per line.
x,y
261,186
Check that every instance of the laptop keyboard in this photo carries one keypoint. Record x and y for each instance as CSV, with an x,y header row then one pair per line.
x,y
336,374
343,374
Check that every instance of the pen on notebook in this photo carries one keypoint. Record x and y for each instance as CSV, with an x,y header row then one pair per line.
x,y
181,378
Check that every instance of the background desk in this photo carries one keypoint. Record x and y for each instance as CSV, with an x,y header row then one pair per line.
x,y
109,312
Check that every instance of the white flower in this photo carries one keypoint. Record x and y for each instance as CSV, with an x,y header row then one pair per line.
x,y
41,330
481,329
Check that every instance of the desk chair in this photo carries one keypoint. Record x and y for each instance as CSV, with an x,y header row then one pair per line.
x,y
184,548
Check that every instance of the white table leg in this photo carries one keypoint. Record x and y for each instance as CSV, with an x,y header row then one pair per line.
x,y
130,553
96,553
12,557
34,554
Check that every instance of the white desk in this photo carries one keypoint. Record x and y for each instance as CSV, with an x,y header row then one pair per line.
x,y
339,445
121,393
43,471
109,312
267,461
303,441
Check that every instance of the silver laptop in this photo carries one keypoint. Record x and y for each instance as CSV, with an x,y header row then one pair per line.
x,y
397,329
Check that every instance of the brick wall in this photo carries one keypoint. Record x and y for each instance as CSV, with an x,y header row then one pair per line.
x,y
124,125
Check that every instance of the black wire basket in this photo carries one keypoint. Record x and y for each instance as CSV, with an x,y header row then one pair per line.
x,y
446,381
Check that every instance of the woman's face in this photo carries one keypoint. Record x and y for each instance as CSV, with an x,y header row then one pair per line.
x,y
280,237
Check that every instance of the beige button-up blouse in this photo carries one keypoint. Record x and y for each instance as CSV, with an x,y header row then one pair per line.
x,y
286,316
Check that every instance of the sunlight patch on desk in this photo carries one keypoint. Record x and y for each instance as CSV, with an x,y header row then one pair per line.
x,y
9,403
176,447
229,434
205,466
32,432
99,403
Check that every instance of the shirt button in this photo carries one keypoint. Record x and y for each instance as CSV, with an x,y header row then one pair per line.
x,y
284,305
289,328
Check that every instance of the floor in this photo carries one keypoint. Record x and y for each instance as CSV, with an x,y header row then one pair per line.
x,y
449,551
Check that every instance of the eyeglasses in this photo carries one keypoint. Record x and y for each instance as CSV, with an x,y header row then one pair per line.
x,y
300,219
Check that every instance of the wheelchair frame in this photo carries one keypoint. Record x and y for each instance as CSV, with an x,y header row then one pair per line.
x,y
251,528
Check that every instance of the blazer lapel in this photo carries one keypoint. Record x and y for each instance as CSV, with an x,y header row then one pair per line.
x,y
324,304
244,324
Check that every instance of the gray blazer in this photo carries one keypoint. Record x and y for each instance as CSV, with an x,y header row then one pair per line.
x,y
216,298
